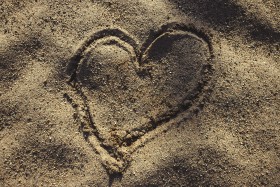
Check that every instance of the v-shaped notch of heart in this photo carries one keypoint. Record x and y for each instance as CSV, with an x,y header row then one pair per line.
x,y
116,149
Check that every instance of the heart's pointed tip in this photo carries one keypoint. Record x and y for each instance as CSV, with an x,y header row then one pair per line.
x,y
114,166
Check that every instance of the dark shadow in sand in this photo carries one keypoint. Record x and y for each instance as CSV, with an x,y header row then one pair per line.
x,y
184,172
229,17
12,59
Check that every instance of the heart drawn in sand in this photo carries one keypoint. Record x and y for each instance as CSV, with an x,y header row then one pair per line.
x,y
126,94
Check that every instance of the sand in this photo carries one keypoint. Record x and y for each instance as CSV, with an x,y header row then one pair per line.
x,y
139,93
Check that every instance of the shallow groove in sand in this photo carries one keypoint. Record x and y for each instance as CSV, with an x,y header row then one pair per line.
x,y
116,154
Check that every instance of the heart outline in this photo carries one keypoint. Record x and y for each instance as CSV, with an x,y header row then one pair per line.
x,y
122,157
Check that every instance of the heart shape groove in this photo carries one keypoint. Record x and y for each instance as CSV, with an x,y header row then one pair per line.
x,y
126,95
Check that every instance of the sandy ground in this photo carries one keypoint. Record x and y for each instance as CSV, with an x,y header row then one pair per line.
x,y
139,93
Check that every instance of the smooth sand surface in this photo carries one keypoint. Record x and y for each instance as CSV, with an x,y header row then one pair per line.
x,y
139,93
